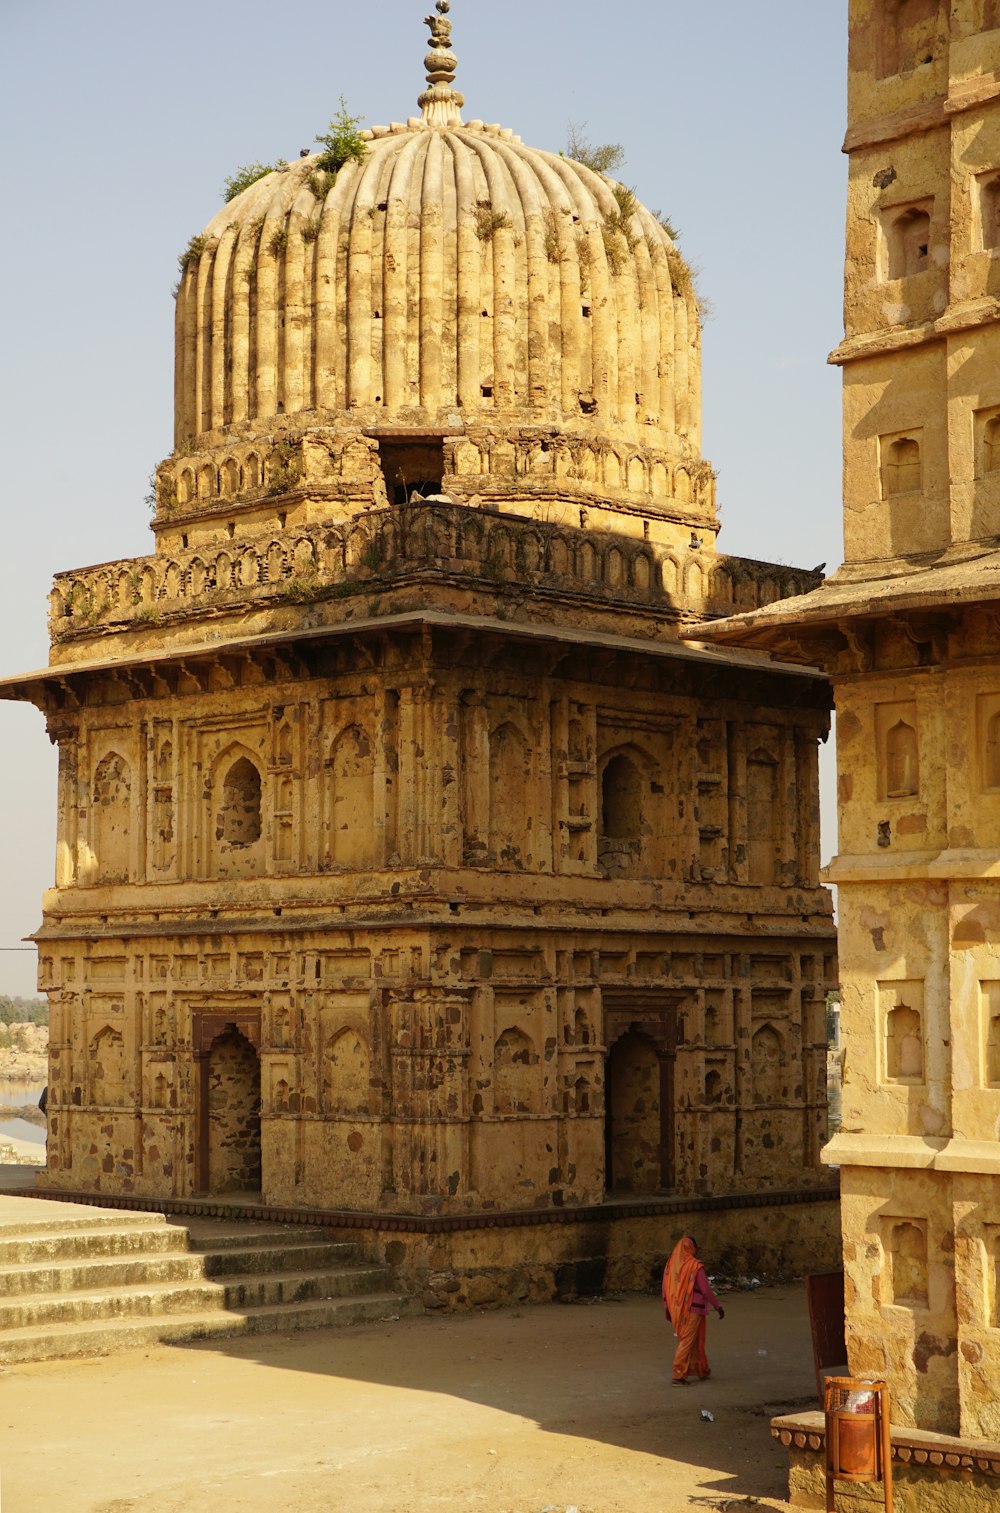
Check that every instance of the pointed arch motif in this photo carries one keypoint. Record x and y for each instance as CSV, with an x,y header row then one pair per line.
x,y
238,821
346,1074
112,818
515,1076
766,1058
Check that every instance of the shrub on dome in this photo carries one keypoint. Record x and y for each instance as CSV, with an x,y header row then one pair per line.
x,y
603,157
247,175
342,142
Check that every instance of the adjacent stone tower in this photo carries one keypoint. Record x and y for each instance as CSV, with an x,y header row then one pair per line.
x,y
910,630
409,861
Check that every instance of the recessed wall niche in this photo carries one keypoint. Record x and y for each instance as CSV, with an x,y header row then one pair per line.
x,y
986,435
901,468
901,1031
989,1011
905,240
898,750
988,741
986,205
905,1244
907,35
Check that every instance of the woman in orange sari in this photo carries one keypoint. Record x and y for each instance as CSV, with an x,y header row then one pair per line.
x,y
687,1298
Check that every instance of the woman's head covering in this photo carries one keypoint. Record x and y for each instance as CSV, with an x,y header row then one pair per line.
x,y
679,1276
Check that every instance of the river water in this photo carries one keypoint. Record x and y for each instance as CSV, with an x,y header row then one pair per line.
x,y
14,1091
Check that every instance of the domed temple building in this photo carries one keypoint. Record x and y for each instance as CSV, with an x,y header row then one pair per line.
x,y
411,865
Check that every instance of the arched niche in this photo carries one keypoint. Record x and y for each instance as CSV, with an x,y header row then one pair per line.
x,y
625,789
622,789
112,818
993,1044
238,820
767,1072
352,799
713,1087
907,35
577,1097
902,761
346,1074
107,1069
989,211
234,1158
902,467
634,1117
904,1044
515,1073
991,430
511,796
908,1263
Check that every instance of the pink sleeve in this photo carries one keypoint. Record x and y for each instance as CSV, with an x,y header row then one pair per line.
x,y
702,1286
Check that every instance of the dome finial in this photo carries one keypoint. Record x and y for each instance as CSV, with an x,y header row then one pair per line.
x,y
441,105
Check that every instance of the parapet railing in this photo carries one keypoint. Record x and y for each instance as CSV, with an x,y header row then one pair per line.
x,y
507,553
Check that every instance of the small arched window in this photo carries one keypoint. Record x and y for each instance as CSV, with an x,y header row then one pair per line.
x,y
991,445
902,763
902,471
621,800
908,235
238,822
908,1255
904,1045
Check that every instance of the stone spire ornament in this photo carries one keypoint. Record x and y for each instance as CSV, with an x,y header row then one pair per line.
x,y
440,104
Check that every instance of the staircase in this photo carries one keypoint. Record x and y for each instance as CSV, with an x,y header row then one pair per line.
x,y
89,1281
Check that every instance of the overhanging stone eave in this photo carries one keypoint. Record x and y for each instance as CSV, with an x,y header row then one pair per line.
x,y
30,685
793,628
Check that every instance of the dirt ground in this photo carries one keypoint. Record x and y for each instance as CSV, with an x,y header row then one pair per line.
x,y
557,1408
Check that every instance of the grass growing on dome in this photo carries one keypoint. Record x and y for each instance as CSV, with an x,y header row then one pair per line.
x,y
192,252
248,174
619,239
488,221
321,181
342,141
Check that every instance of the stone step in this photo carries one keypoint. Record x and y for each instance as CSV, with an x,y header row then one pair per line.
x,y
53,1218
88,1274
234,1261
221,1234
303,1286
95,1283
45,1245
112,1303
63,1341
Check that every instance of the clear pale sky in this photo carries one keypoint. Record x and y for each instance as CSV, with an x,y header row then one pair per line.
x,y
122,120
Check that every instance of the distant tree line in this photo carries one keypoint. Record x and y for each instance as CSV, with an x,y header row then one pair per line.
x,y
23,1010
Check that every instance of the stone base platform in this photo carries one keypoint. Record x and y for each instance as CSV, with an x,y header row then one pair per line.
x,y
931,1473
476,1260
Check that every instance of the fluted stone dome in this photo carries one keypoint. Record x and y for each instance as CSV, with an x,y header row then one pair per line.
x,y
521,311
453,274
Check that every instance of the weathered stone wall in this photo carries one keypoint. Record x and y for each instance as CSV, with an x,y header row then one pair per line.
x,y
485,1081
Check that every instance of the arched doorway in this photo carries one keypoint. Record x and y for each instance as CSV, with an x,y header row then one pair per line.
x,y
637,1117
233,1114
644,1031
229,1114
